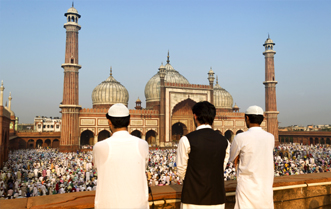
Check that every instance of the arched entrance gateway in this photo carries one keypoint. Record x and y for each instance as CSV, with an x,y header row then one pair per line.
x,y
182,119
87,138
239,131
31,144
103,135
39,143
136,133
151,137
47,142
178,130
322,140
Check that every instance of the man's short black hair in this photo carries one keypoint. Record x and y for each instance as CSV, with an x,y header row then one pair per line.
x,y
255,118
205,112
119,122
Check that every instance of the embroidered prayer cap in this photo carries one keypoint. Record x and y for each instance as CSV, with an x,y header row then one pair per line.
x,y
118,110
254,110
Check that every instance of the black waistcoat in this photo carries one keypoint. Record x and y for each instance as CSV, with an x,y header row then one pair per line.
x,y
204,178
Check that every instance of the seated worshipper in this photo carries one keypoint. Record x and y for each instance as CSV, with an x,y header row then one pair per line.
x,y
121,161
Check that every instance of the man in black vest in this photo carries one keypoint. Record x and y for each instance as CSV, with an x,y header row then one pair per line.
x,y
201,159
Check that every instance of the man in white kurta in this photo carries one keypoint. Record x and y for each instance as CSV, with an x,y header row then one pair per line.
x,y
255,173
121,161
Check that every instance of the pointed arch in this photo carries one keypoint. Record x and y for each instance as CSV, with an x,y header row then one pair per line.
x,y
104,134
87,138
183,108
178,130
151,137
136,133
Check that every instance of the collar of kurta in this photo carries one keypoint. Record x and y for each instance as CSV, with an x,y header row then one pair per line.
x,y
203,126
255,128
120,133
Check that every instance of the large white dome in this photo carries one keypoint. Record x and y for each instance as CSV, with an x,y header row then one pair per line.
x,y
152,88
222,98
110,92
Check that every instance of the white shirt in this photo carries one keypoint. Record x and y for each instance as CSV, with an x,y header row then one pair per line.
x,y
182,157
255,174
121,161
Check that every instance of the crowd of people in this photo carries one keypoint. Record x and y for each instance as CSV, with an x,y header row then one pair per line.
x,y
38,172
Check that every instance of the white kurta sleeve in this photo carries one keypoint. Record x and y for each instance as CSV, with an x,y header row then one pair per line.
x,y
100,153
234,150
183,150
227,155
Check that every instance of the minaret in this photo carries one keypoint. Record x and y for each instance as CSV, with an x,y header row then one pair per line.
x,y
1,95
271,112
162,132
211,79
69,107
9,101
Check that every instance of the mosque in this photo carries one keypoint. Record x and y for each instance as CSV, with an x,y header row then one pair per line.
x,y
166,117
169,99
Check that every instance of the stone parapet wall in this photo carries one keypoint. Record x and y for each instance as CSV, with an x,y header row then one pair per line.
x,y
92,110
144,112
298,191
38,134
184,85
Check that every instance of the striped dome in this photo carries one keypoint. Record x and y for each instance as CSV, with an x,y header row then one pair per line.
x,y
222,98
110,92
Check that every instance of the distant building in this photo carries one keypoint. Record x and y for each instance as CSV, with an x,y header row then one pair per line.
x,y
25,127
47,124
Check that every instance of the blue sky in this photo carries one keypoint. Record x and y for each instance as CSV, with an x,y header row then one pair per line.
x,y
134,37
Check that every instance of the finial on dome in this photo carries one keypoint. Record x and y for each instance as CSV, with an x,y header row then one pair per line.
x,y
111,71
10,95
168,60
216,79
72,4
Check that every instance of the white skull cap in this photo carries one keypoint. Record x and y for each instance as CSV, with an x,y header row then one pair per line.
x,y
118,110
254,110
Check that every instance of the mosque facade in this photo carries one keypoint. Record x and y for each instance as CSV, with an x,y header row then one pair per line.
x,y
7,126
169,100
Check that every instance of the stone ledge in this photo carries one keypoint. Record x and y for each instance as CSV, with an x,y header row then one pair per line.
x,y
283,198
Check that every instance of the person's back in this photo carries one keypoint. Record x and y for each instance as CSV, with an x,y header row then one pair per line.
x,y
205,172
120,176
255,173
256,165
201,156
121,161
